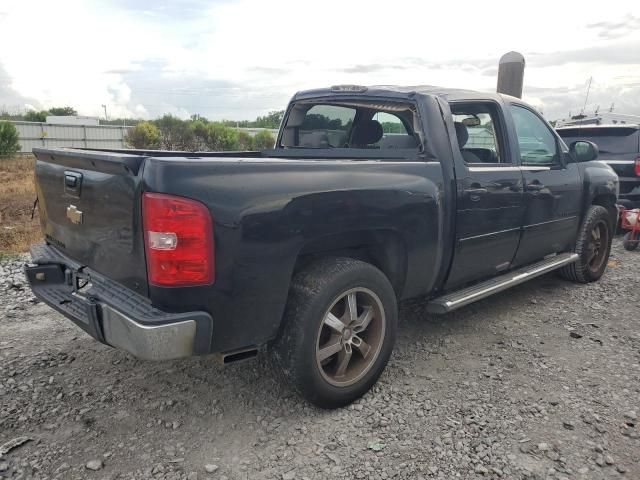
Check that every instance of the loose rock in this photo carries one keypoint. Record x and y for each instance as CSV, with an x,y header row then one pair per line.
x,y
94,465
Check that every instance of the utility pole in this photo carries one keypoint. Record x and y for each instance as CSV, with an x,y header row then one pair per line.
x,y
587,97
105,112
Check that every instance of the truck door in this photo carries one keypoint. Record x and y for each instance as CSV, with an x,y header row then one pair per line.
x,y
489,194
552,188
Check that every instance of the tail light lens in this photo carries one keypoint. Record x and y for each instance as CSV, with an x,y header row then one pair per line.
x,y
178,235
637,167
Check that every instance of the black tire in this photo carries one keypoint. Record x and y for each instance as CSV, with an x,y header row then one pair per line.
x,y
315,292
630,244
587,268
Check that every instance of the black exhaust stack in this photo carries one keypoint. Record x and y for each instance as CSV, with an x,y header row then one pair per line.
x,y
511,74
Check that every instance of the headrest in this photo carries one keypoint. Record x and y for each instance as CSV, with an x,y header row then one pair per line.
x,y
462,133
398,141
315,139
366,132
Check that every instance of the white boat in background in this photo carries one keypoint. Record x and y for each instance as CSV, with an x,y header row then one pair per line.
x,y
599,118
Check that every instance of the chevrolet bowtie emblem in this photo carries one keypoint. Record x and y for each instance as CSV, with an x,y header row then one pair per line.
x,y
74,214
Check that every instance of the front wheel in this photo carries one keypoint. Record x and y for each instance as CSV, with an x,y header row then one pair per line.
x,y
630,241
339,331
593,246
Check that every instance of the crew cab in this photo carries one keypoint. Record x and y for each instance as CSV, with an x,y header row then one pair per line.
x,y
619,147
371,195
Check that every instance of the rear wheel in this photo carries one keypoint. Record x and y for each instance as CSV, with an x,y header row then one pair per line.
x,y
339,331
592,246
631,240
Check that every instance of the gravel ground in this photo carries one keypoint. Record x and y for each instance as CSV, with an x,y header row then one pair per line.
x,y
540,382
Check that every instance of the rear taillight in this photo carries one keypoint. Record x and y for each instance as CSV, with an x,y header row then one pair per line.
x,y
637,167
178,236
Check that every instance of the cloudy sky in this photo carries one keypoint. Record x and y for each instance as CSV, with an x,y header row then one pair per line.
x,y
236,59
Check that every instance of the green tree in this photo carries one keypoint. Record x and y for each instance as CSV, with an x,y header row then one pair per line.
x,y
8,139
245,141
271,120
63,111
219,137
33,116
176,134
393,127
199,129
145,135
263,140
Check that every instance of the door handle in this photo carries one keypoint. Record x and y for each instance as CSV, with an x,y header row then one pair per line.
x,y
535,187
72,183
475,193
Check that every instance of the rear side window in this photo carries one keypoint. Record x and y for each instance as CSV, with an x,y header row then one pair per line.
x,y
477,131
609,139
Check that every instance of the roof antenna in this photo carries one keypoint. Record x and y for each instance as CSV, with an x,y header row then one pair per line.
x,y
511,74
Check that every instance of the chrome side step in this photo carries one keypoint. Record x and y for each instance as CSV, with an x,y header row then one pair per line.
x,y
454,300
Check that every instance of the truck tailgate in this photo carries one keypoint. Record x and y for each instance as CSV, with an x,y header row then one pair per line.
x,y
89,204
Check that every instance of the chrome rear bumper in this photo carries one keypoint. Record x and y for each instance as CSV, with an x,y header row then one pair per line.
x,y
157,342
113,314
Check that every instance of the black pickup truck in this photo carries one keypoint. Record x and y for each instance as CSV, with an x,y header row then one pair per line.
x,y
371,195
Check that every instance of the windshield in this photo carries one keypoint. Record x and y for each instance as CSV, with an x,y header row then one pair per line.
x,y
609,140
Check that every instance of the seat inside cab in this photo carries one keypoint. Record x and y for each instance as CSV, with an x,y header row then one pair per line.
x,y
476,133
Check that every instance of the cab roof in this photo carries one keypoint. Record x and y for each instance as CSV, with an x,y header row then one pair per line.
x,y
398,92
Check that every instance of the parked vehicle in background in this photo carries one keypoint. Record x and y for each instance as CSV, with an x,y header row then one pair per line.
x,y
371,195
619,147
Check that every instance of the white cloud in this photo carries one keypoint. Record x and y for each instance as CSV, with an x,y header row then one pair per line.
x,y
238,59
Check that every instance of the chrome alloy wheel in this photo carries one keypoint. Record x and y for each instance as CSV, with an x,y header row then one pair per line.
x,y
597,248
350,337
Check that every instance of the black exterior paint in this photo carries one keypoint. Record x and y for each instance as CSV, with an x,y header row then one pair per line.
x,y
552,202
413,217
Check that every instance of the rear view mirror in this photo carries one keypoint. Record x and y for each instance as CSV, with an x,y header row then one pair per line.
x,y
471,121
583,151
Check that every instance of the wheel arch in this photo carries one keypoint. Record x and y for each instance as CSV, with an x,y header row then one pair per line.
x,y
384,249
608,201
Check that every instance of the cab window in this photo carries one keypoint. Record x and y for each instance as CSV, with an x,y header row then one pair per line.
x,y
326,126
477,129
538,145
355,124
394,132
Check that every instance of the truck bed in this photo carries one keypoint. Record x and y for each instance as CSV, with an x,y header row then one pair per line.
x,y
267,212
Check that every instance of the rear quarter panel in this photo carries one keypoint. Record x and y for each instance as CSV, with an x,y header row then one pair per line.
x,y
266,212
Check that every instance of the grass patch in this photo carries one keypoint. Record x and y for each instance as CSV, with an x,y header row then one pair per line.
x,y
17,194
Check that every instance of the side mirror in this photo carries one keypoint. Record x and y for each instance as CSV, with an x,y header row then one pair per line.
x,y
583,151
